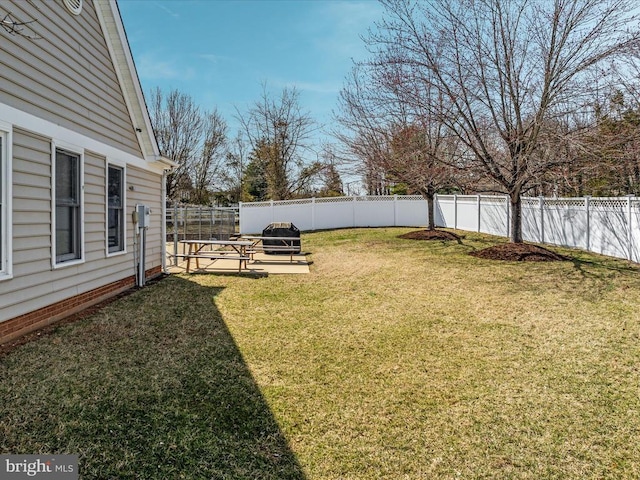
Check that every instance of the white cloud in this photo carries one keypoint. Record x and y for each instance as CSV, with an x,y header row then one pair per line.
x,y
353,15
349,21
149,67
210,57
307,87
321,87
163,6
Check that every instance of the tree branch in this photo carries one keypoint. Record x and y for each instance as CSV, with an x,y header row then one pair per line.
x,y
16,28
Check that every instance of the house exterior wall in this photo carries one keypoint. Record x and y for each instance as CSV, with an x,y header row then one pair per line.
x,y
36,284
61,91
66,76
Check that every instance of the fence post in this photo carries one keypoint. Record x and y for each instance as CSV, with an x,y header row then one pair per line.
x,y
175,233
507,200
313,213
587,206
455,211
354,211
395,210
436,207
185,222
478,206
634,201
541,205
629,236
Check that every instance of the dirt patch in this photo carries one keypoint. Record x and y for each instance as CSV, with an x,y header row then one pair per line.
x,y
430,235
519,252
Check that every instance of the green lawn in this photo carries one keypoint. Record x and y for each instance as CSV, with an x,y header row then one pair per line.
x,y
392,359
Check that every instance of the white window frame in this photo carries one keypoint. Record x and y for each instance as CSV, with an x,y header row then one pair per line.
x,y
122,166
79,152
6,195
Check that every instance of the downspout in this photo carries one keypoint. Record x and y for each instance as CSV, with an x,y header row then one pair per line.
x,y
163,222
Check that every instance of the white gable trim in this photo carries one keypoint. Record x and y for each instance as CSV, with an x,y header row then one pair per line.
x,y
116,38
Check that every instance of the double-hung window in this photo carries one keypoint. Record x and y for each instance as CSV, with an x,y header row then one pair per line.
x,y
68,214
115,209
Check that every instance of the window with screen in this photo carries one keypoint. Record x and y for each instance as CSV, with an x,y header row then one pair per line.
x,y
68,214
115,209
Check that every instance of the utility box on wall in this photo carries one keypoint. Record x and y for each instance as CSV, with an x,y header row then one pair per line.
x,y
144,216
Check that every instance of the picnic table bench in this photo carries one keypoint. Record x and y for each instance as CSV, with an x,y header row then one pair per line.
x,y
290,245
197,249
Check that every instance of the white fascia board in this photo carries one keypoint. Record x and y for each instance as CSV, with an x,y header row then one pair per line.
x,y
73,139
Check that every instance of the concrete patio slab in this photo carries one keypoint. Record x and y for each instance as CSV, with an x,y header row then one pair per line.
x,y
262,264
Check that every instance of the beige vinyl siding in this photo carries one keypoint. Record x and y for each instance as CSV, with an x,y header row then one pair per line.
x,y
94,206
31,204
35,284
67,76
147,191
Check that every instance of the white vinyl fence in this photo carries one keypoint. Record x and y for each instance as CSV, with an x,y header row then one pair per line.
x,y
610,226
335,212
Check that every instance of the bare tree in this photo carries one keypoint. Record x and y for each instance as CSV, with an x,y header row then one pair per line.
x,y
506,69
279,133
193,139
236,171
207,168
362,131
616,142
393,135
177,124
331,180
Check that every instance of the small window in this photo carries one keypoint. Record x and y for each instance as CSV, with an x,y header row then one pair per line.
x,y
115,209
68,214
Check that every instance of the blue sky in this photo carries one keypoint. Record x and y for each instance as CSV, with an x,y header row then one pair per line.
x,y
221,51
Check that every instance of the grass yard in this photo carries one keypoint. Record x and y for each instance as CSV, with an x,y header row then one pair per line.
x,y
393,359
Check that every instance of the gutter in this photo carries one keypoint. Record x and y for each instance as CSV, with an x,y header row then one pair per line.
x,y
163,223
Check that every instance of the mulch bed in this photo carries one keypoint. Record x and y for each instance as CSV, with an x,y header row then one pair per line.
x,y
430,235
519,252
513,252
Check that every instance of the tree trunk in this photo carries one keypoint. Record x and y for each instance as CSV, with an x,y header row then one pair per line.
x,y
516,218
430,196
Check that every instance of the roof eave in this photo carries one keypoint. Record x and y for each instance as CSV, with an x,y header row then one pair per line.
x,y
120,51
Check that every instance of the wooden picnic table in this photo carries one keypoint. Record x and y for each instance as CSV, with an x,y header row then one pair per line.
x,y
197,249
288,245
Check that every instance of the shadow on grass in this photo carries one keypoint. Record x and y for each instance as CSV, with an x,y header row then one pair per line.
x,y
152,386
603,268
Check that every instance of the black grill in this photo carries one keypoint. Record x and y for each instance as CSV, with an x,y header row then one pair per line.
x,y
280,229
